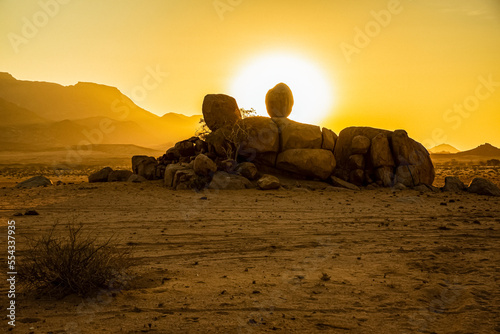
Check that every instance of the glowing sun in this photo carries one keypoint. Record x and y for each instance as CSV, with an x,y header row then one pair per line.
x,y
312,92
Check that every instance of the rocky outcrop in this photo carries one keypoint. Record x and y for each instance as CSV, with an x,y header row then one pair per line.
x,y
315,163
389,158
482,186
279,101
220,110
36,181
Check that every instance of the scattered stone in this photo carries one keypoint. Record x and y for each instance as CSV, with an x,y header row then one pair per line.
x,y
226,181
482,186
60,183
453,184
337,182
268,182
100,176
360,144
36,181
248,170
120,175
220,110
17,214
315,163
279,101
204,166
422,188
31,212
136,178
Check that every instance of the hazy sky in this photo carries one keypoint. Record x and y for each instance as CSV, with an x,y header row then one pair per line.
x,y
431,67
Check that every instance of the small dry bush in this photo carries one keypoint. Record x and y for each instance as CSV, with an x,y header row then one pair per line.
x,y
73,263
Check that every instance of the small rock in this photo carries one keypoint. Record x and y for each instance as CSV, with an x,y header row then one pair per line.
x,y
204,166
343,184
268,182
31,212
248,170
360,144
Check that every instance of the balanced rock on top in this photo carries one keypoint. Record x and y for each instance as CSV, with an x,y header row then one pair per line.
x,y
220,110
279,101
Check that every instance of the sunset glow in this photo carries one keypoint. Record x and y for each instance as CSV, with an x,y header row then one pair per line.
x,y
314,96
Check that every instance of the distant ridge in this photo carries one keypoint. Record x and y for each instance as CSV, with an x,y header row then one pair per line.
x,y
443,149
44,114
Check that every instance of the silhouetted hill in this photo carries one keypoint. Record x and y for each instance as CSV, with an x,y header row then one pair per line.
x,y
485,150
443,149
43,113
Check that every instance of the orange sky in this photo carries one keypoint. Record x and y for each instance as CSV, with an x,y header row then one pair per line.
x,y
431,67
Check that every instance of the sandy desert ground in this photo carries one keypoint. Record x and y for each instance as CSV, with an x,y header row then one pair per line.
x,y
305,259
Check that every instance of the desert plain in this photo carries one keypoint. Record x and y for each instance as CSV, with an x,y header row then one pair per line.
x,y
307,258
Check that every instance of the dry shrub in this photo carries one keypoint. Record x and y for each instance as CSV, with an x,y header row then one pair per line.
x,y
73,263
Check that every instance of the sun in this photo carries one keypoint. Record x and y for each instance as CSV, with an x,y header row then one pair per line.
x,y
312,92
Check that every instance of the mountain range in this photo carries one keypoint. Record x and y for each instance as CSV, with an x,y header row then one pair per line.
x,y
43,115
443,149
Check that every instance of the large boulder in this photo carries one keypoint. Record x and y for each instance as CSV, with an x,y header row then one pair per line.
x,y
380,151
100,176
483,187
144,166
329,138
453,184
315,163
409,175
36,181
268,182
279,101
261,136
119,175
226,181
295,135
407,151
220,110
204,166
